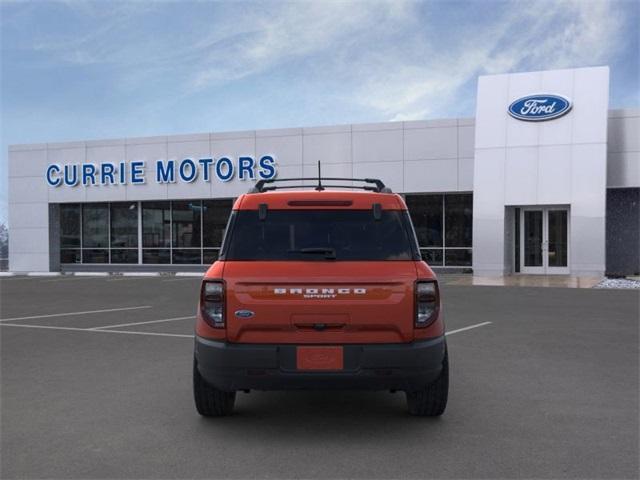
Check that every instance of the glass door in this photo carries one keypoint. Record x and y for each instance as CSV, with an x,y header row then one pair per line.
x,y
557,240
532,257
544,240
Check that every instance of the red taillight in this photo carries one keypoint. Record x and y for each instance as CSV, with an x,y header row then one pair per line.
x,y
427,303
212,302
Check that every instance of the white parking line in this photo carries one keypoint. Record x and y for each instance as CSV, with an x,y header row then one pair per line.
x,y
74,313
122,278
69,278
180,278
468,328
143,323
19,278
159,334
74,329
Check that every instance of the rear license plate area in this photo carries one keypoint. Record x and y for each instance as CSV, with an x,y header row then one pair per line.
x,y
319,358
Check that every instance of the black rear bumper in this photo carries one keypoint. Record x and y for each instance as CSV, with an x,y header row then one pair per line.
x,y
403,366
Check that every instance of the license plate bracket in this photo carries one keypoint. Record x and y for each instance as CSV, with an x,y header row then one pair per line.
x,y
319,358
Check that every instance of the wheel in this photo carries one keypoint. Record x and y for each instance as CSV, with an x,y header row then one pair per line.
x,y
211,402
432,401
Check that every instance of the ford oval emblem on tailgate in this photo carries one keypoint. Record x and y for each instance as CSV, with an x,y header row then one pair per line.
x,y
244,313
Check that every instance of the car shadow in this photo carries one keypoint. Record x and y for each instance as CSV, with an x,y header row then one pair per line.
x,y
326,414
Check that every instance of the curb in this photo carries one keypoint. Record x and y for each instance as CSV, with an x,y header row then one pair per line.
x,y
103,274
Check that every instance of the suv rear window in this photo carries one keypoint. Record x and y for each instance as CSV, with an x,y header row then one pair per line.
x,y
320,235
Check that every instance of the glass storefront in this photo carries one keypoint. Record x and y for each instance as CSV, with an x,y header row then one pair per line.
x,y
143,232
444,226
188,232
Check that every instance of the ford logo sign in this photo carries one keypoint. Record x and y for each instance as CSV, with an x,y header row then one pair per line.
x,y
244,313
536,108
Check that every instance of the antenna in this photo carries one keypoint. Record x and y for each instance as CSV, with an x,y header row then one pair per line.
x,y
319,187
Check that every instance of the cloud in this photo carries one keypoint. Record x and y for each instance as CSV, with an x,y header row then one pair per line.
x,y
534,37
293,31
393,58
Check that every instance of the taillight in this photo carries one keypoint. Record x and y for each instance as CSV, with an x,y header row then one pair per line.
x,y
427,303
212,302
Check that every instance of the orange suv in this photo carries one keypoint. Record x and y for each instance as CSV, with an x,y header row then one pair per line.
x,y
320,289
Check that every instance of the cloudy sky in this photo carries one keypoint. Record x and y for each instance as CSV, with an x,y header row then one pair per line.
x,y
80,70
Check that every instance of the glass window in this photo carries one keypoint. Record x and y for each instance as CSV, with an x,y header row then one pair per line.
x,y
124,225
186,255
457,257
70,255
156,255
433,256
458,220
69,226
426,215
210,255
186,224
320,235
95,255
95,225
156,224
215,214
127,255
517,241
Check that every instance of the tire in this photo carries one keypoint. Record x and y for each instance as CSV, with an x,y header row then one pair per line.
x,y
432,401
211,402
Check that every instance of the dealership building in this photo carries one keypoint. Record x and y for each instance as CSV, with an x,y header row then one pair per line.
x,y
544,180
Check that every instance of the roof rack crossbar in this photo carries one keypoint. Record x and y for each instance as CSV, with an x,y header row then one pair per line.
x,y
369,188
261,185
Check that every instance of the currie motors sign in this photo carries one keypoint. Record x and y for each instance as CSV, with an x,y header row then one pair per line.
x,y
537,108
187,170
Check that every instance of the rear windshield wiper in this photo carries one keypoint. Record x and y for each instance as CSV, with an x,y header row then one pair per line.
x,y
329,253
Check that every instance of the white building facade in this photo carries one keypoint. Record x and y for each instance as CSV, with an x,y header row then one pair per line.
x,y
544,180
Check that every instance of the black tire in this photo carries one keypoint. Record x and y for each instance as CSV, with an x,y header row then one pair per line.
x,y
432,401
211,402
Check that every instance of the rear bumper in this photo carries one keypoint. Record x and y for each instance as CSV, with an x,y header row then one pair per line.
x,y
408,366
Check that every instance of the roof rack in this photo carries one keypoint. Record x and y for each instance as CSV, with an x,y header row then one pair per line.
x,y
375,185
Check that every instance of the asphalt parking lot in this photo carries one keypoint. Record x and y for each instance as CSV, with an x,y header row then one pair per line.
x,y
96,383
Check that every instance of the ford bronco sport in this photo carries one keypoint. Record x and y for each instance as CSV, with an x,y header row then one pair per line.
x,y
320,289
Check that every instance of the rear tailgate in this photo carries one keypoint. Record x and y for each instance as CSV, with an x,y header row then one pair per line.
x,y
320,302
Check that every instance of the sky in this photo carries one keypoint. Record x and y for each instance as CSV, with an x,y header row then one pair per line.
x,y
73,70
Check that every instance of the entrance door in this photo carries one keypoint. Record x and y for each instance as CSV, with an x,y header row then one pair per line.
x,y
544,240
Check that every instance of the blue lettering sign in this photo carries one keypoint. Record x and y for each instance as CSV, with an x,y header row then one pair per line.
x,y
188,174
246,167
267,167
228,166
71,175
206,168
137,173
165,174
106,173
51,180
166,171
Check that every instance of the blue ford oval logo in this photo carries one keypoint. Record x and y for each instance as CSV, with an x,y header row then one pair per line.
x,y
536,108
244,313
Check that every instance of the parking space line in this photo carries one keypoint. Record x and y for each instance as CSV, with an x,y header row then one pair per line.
x,y
192,317
68,314
75,329
181,278
74,278
159,334
17,279
468,328
122,278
